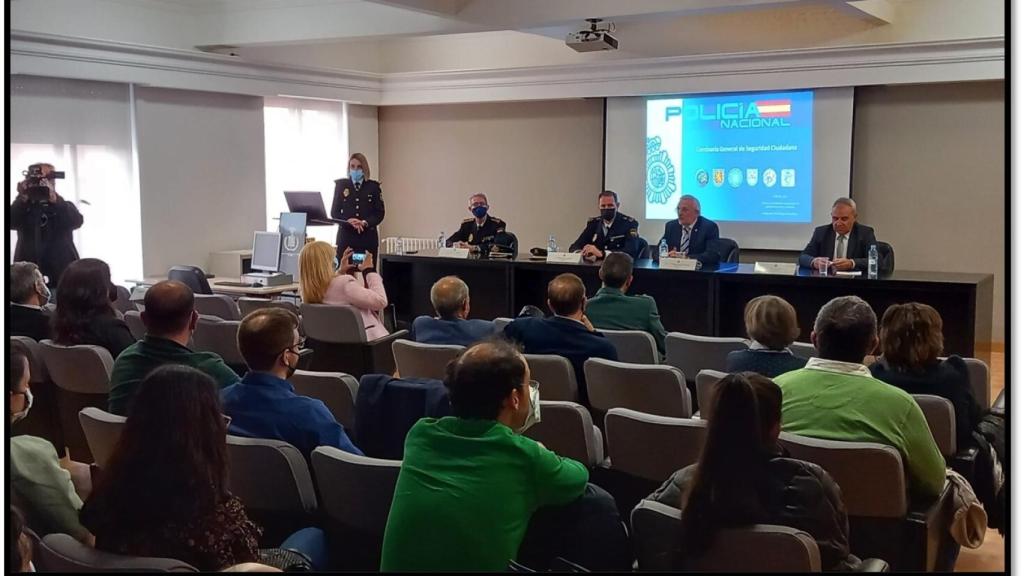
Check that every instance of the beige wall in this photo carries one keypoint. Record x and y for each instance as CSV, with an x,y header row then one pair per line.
x,y
928,175
538,162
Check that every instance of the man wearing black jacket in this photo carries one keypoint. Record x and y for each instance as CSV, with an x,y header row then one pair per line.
x,y
45,226
28,294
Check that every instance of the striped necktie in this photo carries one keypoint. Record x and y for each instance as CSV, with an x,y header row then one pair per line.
x,y
684,246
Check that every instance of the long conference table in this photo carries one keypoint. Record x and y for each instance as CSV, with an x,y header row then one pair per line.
x,y
705,302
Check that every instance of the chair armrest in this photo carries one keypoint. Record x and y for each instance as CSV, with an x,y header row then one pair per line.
x,y
872,565
399,335
999,406
923,512
963,462
931,524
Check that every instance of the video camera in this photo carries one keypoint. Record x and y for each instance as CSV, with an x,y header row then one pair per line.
x,y
35,184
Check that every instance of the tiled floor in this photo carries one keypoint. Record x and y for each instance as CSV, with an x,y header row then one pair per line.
x,y
991,557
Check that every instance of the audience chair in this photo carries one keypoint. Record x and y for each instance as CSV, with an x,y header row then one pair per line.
x,y
803,349
82,378
706,382
337,335
219,305
941,418
357,492
886,258
691,353
649,446
883,522
567,429
335,389
247,305
191,276
123,302
633,346
978,374
757,548
555,376
133,318
500,323
62,553
102,431
654,389
43,419
272,479
416,360
213,334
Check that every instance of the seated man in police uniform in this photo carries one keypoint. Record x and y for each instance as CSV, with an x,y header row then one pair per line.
x,y
480,230
612,230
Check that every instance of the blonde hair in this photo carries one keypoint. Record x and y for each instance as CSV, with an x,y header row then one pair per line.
x,y
316,270
771,321
363,162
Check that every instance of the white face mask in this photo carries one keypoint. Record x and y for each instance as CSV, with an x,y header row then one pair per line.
x,y
28,404
533,416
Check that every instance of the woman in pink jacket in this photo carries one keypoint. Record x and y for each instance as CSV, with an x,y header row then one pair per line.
x,y
350,285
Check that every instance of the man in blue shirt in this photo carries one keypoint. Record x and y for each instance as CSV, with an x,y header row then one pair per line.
x,y
264,404
450,297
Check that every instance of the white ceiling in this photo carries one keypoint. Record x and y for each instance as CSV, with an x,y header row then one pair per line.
x,y
387,36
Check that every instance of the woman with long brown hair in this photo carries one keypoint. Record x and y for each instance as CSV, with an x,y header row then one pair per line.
x,y
359,203
85,312
743,477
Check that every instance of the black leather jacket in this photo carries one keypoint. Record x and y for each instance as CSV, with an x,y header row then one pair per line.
x,y
800,495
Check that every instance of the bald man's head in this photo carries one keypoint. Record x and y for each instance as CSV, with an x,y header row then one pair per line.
x,y
450,297
566,294
169,306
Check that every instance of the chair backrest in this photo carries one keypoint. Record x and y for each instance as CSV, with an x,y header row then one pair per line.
x,y
691,353
102,431
123,302
941,418
336,390
652,447
416,360
978,375
643,249
555,375
567,429
191,276
270,475
706,381
757,548
247,304
803,349
82,368
633,346
881,493
219,305
213,334
361,488
728,250
886,258
62,553
500,323
333,324
654,389
133,318
34,353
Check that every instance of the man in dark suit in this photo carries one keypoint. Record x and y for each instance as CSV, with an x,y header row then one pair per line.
x,y
480,230
29,294
450,297
568,333
844,244
692,235
612,230
612,309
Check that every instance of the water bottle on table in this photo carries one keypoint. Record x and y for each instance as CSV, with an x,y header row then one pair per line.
x,y
440,239
873,261
552,245
663,249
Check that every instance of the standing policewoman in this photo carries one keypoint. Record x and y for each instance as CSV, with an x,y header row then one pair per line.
x,y
358,201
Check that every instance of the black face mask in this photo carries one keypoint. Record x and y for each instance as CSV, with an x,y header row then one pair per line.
x,y
608,214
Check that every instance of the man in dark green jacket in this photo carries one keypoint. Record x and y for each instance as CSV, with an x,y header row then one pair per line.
x,y
612,309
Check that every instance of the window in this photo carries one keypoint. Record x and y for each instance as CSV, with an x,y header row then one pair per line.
x,y
306,150
84,129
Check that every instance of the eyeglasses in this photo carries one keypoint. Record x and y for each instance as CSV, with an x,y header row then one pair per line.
x,y
297,347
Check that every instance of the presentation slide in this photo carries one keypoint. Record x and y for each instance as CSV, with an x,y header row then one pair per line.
x,y
748,157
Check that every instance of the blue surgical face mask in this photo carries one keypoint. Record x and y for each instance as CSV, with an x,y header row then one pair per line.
x,y
480,211
356,175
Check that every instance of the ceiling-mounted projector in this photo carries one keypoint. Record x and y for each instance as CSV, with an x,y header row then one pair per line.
x,y
598,37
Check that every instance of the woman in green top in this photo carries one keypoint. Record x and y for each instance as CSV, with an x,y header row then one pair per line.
x,y
470,483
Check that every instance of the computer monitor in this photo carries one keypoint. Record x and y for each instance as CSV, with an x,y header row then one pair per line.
x,y
266,251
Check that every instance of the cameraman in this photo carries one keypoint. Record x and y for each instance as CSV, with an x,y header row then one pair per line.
x,y
44,222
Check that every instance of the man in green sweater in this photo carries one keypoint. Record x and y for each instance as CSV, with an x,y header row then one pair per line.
x,y
835,397
470,483
170,319
612,309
